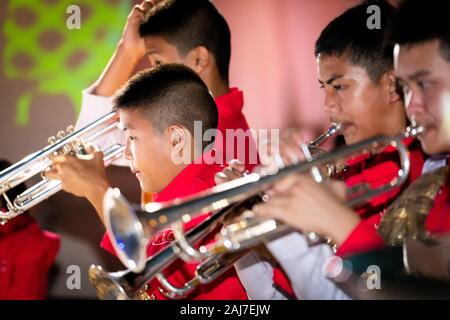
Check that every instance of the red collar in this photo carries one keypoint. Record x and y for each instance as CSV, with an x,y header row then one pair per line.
x,y
231,103
195,177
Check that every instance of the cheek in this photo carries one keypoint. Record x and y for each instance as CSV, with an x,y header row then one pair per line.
x,y
349,99
438,102
140,154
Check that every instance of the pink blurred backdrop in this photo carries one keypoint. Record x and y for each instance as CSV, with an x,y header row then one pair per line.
x,y
273,58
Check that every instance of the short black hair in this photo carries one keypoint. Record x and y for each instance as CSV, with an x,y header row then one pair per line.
x,y
169,94
418,21
349,34
189,24
14,192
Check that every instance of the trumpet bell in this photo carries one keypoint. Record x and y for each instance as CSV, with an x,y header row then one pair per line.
x,y
127,232
106,286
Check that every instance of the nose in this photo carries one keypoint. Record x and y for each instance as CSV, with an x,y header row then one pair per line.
x,y
330,104
127,152
414,103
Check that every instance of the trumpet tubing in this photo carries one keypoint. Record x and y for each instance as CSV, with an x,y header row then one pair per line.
x,y
130,231
162,215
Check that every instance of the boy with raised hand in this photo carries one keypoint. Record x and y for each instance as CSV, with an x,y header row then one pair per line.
x,y
195,34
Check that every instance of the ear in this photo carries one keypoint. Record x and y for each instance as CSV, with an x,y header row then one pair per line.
x,y
199,59
392,83
180,140
177,136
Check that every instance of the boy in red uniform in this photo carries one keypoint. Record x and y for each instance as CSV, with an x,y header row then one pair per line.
x,y
357,76
422,65
26,253
192,33
157,111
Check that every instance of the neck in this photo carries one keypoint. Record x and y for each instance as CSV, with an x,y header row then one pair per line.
x,y
216,85
219,89
396,123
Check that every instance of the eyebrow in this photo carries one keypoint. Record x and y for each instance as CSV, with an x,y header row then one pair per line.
x,y
124,127
333,78
419,74
151,51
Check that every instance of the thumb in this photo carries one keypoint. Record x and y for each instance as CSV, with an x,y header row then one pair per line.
x,y
91,147
98,156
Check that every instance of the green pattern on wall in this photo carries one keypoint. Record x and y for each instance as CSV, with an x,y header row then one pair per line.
x,y
39,47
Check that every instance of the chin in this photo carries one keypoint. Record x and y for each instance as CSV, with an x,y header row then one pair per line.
x,y
349,140
431,148
432,143
145,187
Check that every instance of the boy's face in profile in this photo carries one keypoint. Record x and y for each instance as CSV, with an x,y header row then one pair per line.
x,y
425,77
352,98
149,151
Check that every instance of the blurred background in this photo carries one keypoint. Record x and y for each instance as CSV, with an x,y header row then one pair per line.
x,y
44,66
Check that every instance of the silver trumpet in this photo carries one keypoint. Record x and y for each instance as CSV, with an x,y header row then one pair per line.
x,y
66,142
250,230
131,230
124,285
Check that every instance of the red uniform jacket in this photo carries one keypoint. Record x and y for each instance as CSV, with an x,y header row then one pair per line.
x,y
231,117
26,255
375,171
194,178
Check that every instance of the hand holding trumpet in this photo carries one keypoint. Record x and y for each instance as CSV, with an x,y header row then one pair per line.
x,y
82,175
298,200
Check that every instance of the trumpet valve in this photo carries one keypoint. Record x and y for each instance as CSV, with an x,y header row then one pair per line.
x,y
52,140
70,129
61,134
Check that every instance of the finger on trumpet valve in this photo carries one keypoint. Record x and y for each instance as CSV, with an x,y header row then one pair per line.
x,y
79,147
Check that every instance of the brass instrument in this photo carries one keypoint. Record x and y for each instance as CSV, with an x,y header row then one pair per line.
x,y
66,142
130,235
251,230
128,285
130,230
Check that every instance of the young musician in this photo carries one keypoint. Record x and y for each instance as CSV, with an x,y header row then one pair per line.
x,y
157,110
356,74
422,65
26,253
192,33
